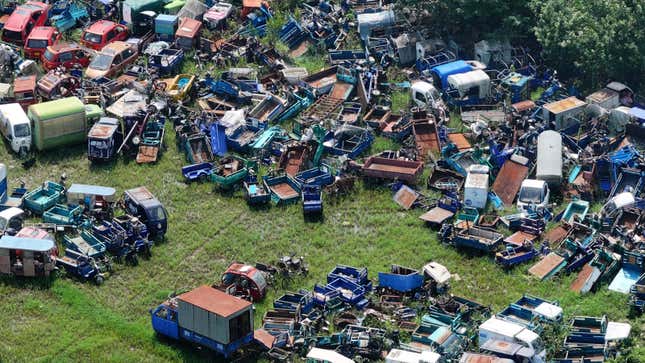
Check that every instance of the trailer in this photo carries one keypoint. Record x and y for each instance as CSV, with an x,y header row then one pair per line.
x,y
44,197
64,215
400,279
515,255
199,171
477,238
392,169
283,188
207,317
267,110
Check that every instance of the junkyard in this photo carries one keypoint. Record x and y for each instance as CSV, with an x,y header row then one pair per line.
x,y
352,181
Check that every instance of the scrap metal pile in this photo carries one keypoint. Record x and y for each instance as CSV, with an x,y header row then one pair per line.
x,y
510,150
95,227
409,316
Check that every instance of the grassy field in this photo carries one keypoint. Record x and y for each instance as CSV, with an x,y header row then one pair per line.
x,y
75,321
71,321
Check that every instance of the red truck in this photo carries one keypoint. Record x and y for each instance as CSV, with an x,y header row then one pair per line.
x,y
102,32
64,54
39,39
23,20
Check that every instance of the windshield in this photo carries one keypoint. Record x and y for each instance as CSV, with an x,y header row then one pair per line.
x,y
49,55
11,35
21,130
92,38
258,277
435,94
530,195
102,62
99,144
37,43
3,224
157,214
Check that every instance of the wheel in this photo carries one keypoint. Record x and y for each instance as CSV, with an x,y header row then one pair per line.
x,y
98,280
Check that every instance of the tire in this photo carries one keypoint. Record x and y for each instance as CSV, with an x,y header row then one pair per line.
x,y
98,280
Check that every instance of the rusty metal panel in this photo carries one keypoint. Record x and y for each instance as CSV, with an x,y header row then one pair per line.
x,y
519,237
509,180
460,141
405,197
557,234
547,266
585,279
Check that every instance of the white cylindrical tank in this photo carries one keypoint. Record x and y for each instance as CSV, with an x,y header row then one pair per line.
x,y
549,157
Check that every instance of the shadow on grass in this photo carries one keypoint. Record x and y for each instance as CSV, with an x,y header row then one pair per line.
x,y
31,283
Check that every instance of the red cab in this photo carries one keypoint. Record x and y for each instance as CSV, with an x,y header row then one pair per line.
x,y
23,20
99,34
188,33
39,39
65,54
24,90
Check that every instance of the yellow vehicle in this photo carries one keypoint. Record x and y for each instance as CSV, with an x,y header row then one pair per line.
x,y
180,86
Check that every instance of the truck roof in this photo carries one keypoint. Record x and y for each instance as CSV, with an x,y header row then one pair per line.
x,y
14,113
214,301
104,129
27,244
500,326
100,27
24,84
42,32
140,194
51,109
564,105
533,183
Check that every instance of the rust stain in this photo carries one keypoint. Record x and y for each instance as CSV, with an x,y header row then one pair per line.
x,y
509,180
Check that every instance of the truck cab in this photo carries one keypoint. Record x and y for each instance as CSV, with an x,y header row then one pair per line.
x,y
65,54
501,330
39,39
617,203
103,139
15,127
11,218
534,194
141,203
102,32
24,90
426,96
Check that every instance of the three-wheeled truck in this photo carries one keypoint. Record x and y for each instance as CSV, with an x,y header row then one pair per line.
x,y
103,139
142,203
208,317
30,257
97,201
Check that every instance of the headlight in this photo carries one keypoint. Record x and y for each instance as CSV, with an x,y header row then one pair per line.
x,y
159,226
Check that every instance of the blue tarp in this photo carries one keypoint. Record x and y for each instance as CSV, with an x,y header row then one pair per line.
x,y
445,70
27,244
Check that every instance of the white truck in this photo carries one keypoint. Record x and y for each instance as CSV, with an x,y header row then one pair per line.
x,y
502,330
404,356
15,127
426,96
534,194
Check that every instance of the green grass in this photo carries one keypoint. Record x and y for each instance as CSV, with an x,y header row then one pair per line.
x,y
72,320
400,100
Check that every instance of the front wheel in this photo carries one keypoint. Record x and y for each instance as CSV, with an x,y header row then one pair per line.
x,y
98,280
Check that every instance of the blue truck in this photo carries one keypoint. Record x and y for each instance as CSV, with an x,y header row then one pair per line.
x,y
207,317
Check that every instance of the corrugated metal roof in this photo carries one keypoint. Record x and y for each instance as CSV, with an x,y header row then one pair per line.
x,y
214,301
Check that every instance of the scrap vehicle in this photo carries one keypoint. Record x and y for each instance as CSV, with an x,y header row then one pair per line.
x,y
39,39
188,33
103,139
10,198
44,197
97,201
82,266
15,127
142,203
255,192
57,84
29,257
167,61
24,90
68,55
311,199
477,238
230,171
48,134
243,281
23,20
11,220
230,320
103,32
282,187
501,330
111,60
376,167
63,215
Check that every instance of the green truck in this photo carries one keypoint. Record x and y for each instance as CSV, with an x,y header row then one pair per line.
x,y
139,14
61,122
